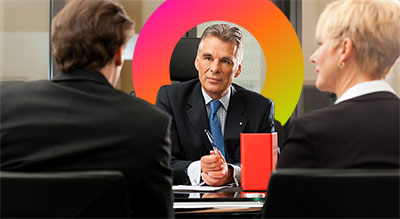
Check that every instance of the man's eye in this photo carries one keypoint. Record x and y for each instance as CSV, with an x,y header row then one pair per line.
x,y
226,61
207,58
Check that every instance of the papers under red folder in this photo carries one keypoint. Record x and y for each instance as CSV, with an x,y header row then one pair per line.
x,y
259,155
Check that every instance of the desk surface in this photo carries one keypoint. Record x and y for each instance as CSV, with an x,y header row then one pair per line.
x,y
232,200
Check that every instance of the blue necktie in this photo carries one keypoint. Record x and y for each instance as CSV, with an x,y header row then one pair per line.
x,y
215,126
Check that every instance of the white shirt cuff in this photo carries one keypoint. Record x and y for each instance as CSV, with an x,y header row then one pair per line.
x,y
193,172
237,171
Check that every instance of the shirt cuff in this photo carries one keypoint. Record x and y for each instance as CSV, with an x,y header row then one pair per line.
x,y
193,172
237,170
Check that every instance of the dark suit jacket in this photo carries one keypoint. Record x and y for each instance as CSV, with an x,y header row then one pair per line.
x,y
78,121
247,112
362,132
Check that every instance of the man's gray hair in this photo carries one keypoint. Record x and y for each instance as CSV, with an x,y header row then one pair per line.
x,y
225,33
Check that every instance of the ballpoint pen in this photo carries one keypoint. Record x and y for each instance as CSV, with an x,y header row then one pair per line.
x,y
211,141
215,149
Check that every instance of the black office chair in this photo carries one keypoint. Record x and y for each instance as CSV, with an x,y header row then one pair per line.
x,y
86,194
181,67
324,193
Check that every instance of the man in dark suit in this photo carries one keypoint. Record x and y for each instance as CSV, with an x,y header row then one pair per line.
x,y
191,104
362,129
78,121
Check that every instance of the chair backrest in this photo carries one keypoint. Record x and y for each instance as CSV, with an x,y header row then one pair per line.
x,y
182,60
337,193
94,194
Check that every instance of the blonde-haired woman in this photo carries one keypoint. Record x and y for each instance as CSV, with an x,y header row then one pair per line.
x,y
358,41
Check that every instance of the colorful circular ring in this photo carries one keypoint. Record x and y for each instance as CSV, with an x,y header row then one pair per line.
x,y
274,33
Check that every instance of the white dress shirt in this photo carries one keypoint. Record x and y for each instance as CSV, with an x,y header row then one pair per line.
x,y
365,88
194,169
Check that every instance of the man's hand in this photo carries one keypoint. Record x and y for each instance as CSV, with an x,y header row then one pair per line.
x,y
215,171
218,195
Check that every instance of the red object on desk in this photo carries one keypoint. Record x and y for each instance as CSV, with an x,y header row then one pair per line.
x,y
259,155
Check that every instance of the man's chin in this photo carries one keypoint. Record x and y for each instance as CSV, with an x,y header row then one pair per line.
x,y
213,92
213,88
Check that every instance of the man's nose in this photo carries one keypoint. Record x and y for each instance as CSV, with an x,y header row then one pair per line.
x,y
214,68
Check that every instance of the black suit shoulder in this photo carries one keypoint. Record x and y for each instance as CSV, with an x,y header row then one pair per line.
x,y
180,91
126,106
82,123
361,132
351,112
134,102
184,89
251,97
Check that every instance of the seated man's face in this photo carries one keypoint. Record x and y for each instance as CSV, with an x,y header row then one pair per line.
x,y
217,66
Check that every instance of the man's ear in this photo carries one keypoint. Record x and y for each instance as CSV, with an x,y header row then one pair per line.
x,y
196,62
239,70
118,56
345,49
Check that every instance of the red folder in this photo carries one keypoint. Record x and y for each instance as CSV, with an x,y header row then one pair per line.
x,y
259,155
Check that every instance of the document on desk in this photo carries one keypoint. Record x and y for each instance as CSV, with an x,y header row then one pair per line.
x,y
186,188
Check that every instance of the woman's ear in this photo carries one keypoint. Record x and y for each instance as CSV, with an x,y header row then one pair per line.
x,y
345,49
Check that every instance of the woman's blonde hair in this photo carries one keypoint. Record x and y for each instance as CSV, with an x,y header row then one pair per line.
x,y
372,25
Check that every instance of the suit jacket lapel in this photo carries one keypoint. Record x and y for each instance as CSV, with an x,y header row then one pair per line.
x,y
197,115
235,121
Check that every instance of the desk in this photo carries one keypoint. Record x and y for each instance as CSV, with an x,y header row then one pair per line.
x,y
229,202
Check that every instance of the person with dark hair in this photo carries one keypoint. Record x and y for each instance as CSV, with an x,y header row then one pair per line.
x,y
212,102
79,121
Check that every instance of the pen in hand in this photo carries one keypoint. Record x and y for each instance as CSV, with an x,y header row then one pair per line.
x,y
215,149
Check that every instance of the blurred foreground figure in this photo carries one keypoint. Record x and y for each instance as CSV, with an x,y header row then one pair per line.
x,y
78,121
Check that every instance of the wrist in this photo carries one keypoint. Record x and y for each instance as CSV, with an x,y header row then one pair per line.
x,y
230,175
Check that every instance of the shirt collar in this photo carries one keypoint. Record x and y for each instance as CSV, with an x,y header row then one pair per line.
x,y
224,100
82,75
365,88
